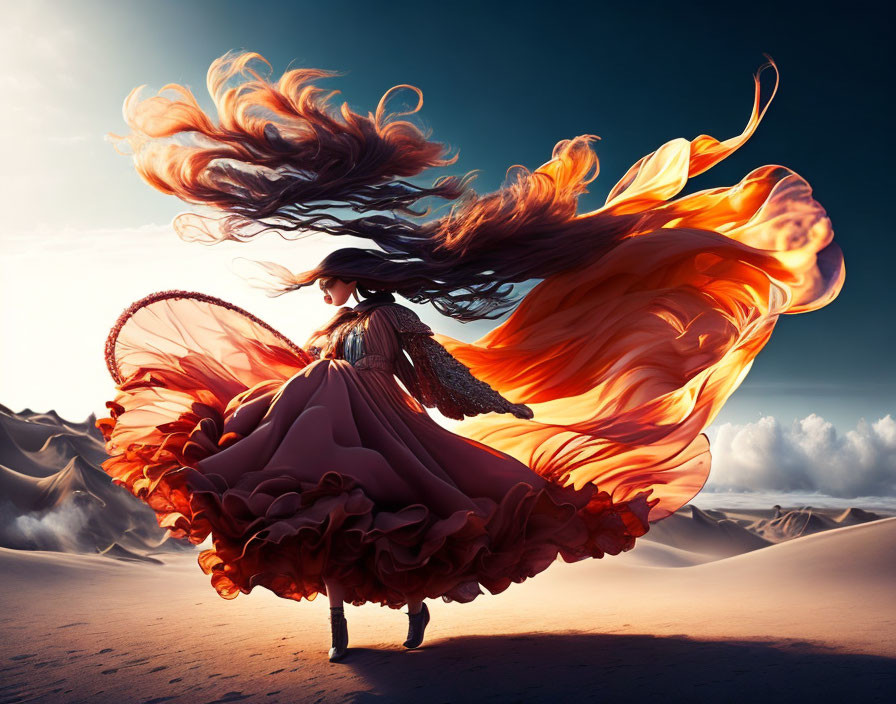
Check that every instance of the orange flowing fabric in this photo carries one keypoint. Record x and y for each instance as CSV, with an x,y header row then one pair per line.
x,y
626,361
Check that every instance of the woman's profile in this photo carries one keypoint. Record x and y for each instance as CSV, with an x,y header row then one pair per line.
x,y
316,468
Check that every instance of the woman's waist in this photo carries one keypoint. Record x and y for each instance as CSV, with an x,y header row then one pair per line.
x,y
373,362
379,375
368,362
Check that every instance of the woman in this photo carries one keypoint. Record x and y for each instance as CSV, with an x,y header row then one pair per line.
x,y
316,469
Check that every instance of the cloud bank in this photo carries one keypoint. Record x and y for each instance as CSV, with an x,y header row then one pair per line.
x,y
809,455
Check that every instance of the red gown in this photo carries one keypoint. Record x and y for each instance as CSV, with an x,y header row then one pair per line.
x,y
303,469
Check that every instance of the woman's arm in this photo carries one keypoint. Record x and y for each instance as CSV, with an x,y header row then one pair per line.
x,y
437,379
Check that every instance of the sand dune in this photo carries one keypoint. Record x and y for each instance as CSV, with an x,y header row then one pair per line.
x,y
54,496
701,533
714,534
809,619
793,524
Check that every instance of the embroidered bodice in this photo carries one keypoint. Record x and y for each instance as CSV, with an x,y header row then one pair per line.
x,y
381,337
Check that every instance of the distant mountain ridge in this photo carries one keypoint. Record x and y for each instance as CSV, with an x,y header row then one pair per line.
x,y
719,534
54,495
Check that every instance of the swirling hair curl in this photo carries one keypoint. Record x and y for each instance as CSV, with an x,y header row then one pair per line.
x,y
280,157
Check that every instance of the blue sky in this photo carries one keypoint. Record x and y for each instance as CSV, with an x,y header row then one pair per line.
x,y
502,84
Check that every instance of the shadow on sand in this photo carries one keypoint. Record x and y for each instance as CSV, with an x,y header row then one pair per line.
x,y
587,667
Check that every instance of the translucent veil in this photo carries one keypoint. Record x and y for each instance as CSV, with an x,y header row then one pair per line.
x,y
627,360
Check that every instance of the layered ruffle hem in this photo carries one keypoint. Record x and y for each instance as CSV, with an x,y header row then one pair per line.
x,y
337,473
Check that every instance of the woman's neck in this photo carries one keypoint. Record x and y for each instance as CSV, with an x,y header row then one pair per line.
x,y
375,300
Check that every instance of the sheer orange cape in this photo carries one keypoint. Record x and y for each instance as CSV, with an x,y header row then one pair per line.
x,y
626,361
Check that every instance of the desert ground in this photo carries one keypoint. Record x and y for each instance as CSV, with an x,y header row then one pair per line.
x,y
783,604
809,619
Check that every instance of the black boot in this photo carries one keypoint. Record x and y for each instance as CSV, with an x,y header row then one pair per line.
x,y
339,629
416,625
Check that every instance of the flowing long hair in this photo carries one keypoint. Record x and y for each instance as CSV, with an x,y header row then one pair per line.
x,y
280,157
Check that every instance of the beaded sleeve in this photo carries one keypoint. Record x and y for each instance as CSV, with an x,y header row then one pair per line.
x,y
440,381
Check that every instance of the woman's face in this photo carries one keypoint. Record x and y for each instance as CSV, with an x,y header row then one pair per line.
x,y
336,292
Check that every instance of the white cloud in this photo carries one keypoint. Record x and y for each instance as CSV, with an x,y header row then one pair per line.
x,y
810,455
60,527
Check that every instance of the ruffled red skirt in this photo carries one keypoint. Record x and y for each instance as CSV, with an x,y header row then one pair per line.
x,y
337,473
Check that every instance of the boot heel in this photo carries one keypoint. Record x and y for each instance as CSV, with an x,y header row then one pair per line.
x,y
416,627
339,631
